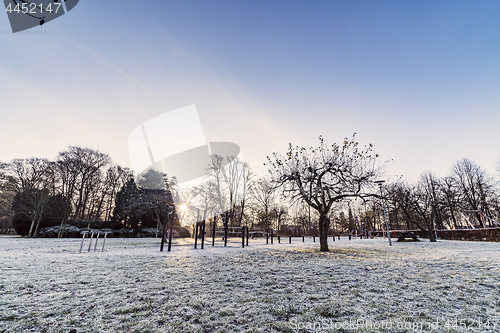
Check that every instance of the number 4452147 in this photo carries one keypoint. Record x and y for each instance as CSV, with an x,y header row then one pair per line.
x,y
33,8
472,324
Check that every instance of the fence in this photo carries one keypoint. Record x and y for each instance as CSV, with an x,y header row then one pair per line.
x,y
482,234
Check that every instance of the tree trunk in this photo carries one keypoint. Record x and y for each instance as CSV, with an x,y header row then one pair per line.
x,y
31,227
432,236
36,227
324,224
431,233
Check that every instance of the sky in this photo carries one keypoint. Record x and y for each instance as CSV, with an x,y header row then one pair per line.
x,y
420,80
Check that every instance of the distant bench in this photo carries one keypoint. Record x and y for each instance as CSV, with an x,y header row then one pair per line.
x,y
407,234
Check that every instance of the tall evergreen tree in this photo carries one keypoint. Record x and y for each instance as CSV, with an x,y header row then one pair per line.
x,y
127,205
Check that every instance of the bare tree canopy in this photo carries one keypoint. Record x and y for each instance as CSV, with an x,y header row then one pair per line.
x,y
419,203
325,175
476,188
263,196
31,180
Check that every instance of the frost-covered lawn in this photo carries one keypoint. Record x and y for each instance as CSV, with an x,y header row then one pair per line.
x,y
47,286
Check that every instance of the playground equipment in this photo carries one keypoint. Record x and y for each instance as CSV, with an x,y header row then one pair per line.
x,y
84,233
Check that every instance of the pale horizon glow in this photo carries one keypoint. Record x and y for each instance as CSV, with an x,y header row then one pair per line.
x,y
418,80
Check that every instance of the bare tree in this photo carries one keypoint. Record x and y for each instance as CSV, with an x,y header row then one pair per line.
x,y
31,181
263,195
5,195
325,175
116,177
476,188
203,199
450,196
89,164
68,172
247,179
6,199
217,177
280,213
416,202
230,179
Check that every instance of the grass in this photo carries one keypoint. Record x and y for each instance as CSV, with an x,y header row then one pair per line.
x,y
287,288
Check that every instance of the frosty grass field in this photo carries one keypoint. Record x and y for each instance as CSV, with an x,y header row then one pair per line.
x,y
360,286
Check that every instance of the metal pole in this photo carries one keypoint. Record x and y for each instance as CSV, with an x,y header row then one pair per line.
x,y
170,234
242,236
290,239
91,236
272,237
96,240
104,241
385,216
247,235
83,239
267,236
302,238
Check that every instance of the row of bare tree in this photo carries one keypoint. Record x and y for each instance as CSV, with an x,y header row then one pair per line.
x,y
81,183
314,180
316,189
466,198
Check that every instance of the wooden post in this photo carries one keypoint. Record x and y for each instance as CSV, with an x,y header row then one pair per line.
x,y
213,230
225,229
302,238
163,229
170,234
267,236
333,237
290,239
279,240
202,234
314,238
196,235
247,235
272,237
242,236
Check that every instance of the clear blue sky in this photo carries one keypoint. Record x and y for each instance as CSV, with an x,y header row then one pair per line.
x,y
418,79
